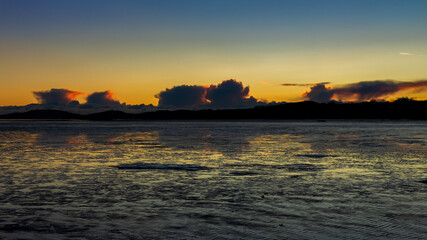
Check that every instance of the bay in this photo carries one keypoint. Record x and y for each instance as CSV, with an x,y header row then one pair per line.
x,y
213,180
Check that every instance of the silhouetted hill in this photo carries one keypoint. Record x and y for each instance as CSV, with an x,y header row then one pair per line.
x,y
42,114
301,110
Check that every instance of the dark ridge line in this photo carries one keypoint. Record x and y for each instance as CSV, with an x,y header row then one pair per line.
x,y
412,110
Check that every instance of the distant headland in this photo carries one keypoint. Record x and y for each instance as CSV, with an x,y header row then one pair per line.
x,y
410,109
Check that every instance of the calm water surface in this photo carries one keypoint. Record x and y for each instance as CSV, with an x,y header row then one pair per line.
x,y
213,180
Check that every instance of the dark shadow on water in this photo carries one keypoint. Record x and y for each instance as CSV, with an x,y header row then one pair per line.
x,y
155,166
314,155
288,167
243,173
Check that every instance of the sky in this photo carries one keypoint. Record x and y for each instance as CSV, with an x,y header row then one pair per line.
x,y
139,49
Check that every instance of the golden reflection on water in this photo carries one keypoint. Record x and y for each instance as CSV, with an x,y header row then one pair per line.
x,y
10,137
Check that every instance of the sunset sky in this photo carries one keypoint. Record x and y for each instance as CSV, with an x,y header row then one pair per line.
x,y
137,49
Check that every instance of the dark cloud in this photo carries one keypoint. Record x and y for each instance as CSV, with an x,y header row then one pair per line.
x,y
377,90
228,94
416,86
65,100
303,85
56,96
363,91
292,84
184,96
102,98
367,90
319,93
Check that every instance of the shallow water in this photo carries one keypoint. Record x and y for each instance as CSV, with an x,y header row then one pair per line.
x,y
213,180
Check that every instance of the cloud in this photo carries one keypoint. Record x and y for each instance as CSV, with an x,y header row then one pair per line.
x,y
319,93
363,91
303,85
228,94
291,84
268,83
285,84
102,98
56,96
295,85
65,100
410,54
379,89
184,96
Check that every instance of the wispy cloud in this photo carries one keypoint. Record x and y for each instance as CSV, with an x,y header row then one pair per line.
x,y
292,84
406,54
269,83
411,54
296,84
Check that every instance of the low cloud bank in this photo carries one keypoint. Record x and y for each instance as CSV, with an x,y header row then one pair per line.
x,y
362,91
227,94
66,100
